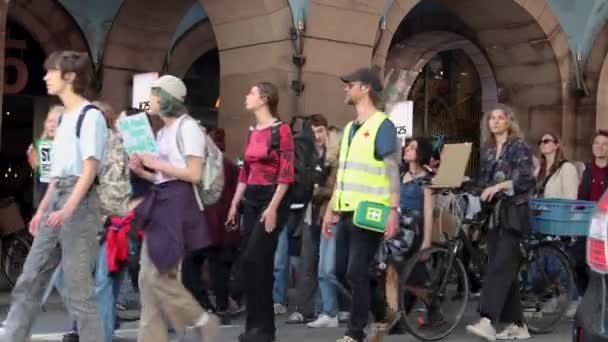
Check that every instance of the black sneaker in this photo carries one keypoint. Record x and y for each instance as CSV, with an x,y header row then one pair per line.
x,y
71,337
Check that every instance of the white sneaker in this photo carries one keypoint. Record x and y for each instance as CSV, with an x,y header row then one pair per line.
x,y
209,327
514,332
279,309
483,329
343,316
324,321
572,308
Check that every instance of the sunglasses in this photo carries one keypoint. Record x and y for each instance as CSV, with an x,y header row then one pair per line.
x,y
546,141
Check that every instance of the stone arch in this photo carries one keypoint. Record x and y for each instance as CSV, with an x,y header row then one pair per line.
x,y
254,44
539,10
49,23
138,41
193,44
518,36
3,10
413,54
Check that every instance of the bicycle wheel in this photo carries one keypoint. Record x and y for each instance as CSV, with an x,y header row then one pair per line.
x,y
15,248
435,293
547,287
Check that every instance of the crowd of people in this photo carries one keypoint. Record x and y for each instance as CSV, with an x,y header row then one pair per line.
x,y
304,189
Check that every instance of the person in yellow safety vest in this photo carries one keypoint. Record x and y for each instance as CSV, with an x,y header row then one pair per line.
x,y
368,171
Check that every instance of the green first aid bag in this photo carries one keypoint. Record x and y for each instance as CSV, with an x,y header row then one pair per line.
x,y
371,216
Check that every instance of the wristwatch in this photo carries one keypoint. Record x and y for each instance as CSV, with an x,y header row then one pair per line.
x,y
396,208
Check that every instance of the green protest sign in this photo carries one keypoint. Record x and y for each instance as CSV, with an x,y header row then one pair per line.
x,y
137,134
43,149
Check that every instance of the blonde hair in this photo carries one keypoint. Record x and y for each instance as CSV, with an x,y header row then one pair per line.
x,y
487,137
55,109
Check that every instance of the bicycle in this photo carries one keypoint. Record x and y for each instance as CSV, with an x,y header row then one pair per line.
x,y
437,276
15,241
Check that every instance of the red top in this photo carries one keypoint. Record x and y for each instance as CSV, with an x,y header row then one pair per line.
x,y
598,174
262,166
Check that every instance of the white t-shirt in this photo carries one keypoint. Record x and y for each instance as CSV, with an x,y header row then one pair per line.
x,y
69,151
193,145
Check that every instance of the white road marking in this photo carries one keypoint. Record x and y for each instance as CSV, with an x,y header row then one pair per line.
x,y
118,333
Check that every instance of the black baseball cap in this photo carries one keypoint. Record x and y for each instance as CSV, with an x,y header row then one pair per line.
x,y
366,76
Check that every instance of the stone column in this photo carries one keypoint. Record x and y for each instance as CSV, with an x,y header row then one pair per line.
x,y
254,45
138,41
340,36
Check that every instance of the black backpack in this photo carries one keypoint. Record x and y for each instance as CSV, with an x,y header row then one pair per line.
x,y
300,192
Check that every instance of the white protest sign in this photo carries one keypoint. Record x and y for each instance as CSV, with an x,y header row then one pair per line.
x,y
402,115
142,83
137,134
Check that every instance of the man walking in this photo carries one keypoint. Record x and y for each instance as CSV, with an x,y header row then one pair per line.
x,y
66,222
368,171
311,232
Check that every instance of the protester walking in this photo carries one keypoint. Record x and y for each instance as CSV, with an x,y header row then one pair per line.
x,y
172,219
507,174
64,224
306,289
368,171
264,179
416,209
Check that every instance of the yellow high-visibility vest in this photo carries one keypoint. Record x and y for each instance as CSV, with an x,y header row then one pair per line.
x,y
360,176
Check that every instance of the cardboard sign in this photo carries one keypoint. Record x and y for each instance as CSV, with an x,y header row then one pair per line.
x,y
137,134
142,84
44,148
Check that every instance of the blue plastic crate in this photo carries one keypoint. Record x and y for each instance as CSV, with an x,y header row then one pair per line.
x,y
561,216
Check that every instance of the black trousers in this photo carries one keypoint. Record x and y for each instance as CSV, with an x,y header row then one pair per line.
x,y
308,283
355,249
581,270
257,263
219,269
500,297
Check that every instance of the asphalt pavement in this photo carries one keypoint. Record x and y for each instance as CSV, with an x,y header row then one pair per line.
x,y
51,325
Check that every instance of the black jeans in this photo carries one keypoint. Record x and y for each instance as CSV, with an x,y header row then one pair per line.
x,y
500,297
219,269
581,270
355,251
257,263
309,263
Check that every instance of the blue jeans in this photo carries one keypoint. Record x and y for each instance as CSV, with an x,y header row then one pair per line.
x,y
281,268
327,275
106,292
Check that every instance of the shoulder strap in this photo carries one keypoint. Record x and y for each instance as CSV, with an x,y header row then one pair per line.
x,y
178,135
541,189
275,135
81,118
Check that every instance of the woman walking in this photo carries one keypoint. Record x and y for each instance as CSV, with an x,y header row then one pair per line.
x,y
264,180
173,222
415,231
507,174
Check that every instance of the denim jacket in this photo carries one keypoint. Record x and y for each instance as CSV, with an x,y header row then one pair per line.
x,y
514,164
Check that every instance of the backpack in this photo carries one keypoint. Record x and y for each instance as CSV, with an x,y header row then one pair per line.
x,y
114,184
209,190
300,192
